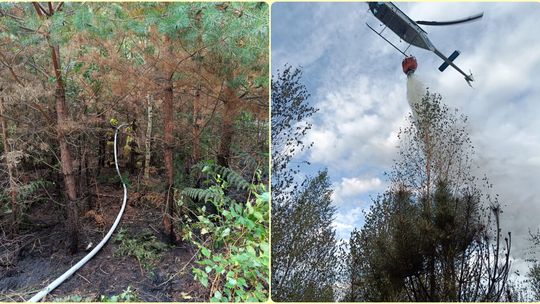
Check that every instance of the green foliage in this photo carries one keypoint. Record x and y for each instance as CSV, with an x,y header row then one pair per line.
x,y
234,253
82,18
212,194
73,298
145,247
225,178
437,142
250,145
26,194
303,240
125,180
127,295
304,245
236,37
30,189
290,111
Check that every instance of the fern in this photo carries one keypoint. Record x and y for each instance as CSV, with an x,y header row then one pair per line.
x,y
31,188
223,178
206,195
233,178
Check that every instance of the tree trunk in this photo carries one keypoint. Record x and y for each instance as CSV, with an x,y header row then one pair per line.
x,y
65,155
12,185
148,152
102,150
227,131
197,123
431,264
83,173
62,115
168,110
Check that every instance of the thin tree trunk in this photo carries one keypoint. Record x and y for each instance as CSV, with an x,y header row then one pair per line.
x,y
65,155
431,263
147,143
168,110
61,120
197,118
81,176
227,131
12,185
168,134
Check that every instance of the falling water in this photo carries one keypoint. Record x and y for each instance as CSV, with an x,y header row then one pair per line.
x,y
415,91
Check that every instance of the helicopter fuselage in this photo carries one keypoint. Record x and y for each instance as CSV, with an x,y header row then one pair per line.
x,y
409,31
391,16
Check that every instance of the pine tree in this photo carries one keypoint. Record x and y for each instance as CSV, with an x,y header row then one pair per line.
x,y
434,235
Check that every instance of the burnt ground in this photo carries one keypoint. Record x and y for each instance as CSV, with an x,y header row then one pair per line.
x,y
39,255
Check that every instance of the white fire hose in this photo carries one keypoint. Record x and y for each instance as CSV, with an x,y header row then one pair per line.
x,y
92,253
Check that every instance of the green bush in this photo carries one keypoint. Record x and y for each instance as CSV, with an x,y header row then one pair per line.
x,y
73,298
127,295
233,257
146,248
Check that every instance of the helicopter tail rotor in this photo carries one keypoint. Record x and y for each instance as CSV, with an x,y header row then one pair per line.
x,y
469,78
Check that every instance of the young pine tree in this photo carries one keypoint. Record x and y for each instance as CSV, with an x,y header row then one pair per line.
x,y
435,234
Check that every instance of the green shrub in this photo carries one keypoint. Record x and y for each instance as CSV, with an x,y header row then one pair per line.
x,y
146,248
233,257
127,295
73,298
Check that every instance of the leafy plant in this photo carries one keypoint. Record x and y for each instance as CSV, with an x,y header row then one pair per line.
x,y
233,243
146,248
127,295
126,180
73,298
26,194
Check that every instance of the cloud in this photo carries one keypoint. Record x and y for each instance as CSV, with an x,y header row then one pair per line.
x,y
352,120
353,187
312,36
345,222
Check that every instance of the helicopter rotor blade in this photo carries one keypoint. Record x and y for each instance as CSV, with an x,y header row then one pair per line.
x,y
452,22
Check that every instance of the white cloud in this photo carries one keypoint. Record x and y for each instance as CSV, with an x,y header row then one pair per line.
x,y
353,187
353,119
345,222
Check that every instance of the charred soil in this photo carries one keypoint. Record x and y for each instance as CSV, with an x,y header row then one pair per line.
x,y
137,258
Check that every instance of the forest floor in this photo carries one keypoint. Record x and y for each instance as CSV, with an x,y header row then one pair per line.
x,y
136,264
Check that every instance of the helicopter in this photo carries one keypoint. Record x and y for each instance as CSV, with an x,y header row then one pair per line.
x,y
410,31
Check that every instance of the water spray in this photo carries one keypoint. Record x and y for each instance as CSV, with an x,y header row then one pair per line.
x,y
92,253
415,87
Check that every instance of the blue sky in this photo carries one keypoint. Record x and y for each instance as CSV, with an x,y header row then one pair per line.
x,y
355,79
